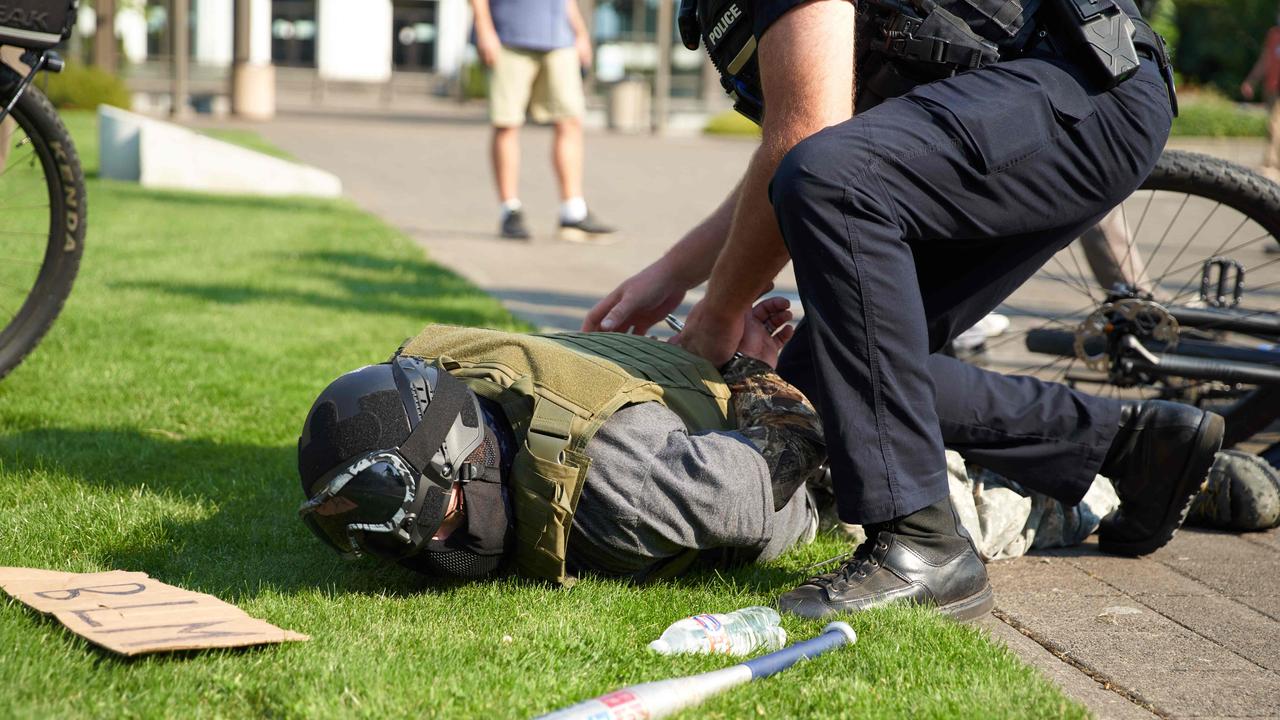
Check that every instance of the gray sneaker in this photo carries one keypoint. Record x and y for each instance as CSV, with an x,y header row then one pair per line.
x,y
588,230
513,227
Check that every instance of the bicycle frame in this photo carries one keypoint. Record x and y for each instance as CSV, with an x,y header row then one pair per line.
x,y
36,60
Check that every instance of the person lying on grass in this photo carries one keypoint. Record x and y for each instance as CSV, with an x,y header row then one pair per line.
x,y
476,451
473,451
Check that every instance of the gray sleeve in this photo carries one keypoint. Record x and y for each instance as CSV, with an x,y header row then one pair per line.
x,y
655,491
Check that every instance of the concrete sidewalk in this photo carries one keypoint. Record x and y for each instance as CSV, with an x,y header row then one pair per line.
x,y
1192,631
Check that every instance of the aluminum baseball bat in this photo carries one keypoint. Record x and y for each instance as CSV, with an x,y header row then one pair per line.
x,y
664,697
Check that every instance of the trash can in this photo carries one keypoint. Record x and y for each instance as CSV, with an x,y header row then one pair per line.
x,y
629,102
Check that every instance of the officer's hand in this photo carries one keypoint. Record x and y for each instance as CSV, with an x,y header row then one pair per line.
x,y
713,333
1246,89
637,304
766,329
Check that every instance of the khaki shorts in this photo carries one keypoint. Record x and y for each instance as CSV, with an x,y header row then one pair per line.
x,y
546,83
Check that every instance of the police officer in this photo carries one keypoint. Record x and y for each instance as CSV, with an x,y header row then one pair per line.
x,y
989,134
473,451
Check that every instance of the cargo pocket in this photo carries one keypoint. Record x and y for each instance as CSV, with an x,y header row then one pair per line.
x,y
543,495
1007,114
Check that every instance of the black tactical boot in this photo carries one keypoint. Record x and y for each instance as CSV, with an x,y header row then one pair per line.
x,y
1158,461
926,558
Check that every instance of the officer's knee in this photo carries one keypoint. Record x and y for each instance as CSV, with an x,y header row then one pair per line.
x,y
805,171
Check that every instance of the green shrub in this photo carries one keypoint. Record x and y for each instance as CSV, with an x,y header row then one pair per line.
x,y
730,122
84,87
1210,114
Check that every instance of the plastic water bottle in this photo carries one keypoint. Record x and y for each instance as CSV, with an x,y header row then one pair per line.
x,y
737,633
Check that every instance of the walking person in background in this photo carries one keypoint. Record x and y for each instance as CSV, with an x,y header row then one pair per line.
x,y
1265,76
536,51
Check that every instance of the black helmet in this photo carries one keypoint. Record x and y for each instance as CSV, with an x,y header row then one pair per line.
x,y
381,453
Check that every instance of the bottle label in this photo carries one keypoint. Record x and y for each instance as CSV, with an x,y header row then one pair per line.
x,y
717,635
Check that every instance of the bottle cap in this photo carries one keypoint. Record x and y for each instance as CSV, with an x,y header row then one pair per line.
x,y
660,646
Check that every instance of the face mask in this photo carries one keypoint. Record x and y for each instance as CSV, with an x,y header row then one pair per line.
x,y
477,548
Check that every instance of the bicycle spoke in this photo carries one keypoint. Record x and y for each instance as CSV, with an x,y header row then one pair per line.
x,y
1131,259
1182,291
1192,237
1066,372
1035,370
1071,250
1142,218
1268,286
1057,319
1107,241
1165,235
1128,251
1018,335
1217,253
1068,280
13,164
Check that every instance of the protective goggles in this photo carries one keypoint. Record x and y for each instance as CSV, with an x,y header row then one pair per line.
x,y
399,494
378,493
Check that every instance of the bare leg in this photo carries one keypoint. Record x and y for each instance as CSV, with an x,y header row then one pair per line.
x,y
1110,255
506,162
9,56
1272,160
566,154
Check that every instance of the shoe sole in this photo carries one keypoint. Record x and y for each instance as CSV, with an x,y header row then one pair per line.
x,y
1194,478
582,237
972,607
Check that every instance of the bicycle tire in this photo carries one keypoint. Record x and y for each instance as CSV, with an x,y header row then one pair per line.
x,y
64,180
1220,180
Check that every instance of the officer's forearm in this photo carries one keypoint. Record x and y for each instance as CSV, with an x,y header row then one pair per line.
x,y
806,92
753,253
692,258
777,420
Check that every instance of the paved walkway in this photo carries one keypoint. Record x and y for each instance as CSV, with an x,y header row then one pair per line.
x,y
1192,631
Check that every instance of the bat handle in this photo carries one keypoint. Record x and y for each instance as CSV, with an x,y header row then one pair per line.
x,y
833,636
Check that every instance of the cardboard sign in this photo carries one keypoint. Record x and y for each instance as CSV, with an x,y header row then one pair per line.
x,y
131,614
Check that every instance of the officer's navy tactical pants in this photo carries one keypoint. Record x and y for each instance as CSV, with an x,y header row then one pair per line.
x,y
910,222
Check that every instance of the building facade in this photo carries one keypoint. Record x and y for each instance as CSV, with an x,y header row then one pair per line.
x,y
359,40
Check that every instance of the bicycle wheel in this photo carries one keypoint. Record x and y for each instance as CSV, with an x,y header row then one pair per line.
x,y
42,220
1192,209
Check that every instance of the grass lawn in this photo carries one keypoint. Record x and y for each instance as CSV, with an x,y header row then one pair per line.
x,y
155,430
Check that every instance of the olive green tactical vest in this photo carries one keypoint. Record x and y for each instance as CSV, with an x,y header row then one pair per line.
x,y
557,390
